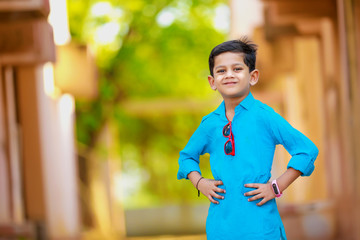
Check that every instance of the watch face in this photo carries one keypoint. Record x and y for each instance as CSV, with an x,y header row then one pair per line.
x,y
275,189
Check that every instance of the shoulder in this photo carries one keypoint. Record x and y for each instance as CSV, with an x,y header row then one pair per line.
x,y
207,118
209,123
264,110
210,118
267,115
270,116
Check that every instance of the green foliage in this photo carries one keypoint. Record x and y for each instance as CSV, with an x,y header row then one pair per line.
x,y
142,55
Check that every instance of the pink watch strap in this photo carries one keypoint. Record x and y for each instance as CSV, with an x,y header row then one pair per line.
x,y
276,189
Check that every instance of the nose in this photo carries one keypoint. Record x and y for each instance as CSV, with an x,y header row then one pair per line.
x,y
229,74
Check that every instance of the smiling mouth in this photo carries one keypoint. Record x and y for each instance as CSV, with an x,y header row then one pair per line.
x,y
230,83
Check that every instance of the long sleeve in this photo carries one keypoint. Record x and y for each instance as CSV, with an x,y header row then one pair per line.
x,y
302,149
189,156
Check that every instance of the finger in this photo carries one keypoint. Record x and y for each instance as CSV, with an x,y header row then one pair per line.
x,y
214,194
219,182
256,197
212,200
220,190
252,185
262,202
254,192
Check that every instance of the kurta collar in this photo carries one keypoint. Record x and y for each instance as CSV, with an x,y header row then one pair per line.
x,y
246,104
221,111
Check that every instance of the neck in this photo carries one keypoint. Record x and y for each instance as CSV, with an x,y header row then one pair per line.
x,y
230,105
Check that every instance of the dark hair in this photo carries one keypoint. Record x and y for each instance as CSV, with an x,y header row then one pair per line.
x,y
242,45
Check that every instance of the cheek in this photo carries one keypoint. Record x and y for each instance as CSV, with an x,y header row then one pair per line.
x,y
218,80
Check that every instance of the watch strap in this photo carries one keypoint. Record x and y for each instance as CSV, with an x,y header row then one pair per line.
x,y
276,189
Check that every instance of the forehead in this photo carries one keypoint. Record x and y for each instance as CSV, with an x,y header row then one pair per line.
x,y
229,58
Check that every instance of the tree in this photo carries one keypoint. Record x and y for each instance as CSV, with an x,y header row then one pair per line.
x,y
149,54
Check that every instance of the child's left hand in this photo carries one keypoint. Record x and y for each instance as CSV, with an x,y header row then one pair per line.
x,y
263,191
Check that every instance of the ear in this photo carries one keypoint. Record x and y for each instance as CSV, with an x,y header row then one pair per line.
x,y
254,77
212,82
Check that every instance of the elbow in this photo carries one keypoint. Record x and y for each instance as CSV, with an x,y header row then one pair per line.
x,y
311,166
315,152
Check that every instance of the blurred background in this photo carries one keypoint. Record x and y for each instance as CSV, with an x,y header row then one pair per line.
x,y
97,98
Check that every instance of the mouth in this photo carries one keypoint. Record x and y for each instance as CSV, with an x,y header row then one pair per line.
x,y
229,83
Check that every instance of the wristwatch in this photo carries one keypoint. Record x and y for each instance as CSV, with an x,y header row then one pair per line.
x,y
276,189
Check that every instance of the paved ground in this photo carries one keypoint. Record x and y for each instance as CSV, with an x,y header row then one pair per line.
x,y
97,236
193,237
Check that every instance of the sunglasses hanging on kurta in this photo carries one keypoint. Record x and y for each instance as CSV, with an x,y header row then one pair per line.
x,y
229,147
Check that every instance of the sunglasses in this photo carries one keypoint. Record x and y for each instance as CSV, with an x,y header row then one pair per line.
x,y
229,147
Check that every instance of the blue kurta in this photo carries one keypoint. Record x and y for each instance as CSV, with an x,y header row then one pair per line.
x,y
257,129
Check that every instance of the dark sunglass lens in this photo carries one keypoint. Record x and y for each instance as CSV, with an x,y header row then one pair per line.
x,y
228,147
226,130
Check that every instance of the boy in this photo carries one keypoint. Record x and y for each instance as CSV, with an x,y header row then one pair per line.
x,y
240,136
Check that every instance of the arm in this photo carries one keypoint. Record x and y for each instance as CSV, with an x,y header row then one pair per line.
x,y
303,154
266,192
189,165
302,150
287,178
189,156
208,187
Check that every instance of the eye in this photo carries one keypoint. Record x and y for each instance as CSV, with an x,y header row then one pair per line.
x,y
220,71
237,69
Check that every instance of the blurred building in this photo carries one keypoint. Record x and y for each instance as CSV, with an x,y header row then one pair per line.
x,y
309,61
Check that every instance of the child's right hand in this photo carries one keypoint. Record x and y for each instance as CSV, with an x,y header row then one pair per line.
x,y
209,187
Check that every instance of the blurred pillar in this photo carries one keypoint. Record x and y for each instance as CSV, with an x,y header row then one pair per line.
x,y
104,194
31,144
309,118
349,39
5,214
49,156
13,133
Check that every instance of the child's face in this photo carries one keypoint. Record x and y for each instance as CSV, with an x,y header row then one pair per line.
x,y
231,75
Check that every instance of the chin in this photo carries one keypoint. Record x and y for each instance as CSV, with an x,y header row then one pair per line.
x,y
235,94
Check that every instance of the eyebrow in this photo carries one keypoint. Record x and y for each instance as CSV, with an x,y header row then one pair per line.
x,y
241,64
